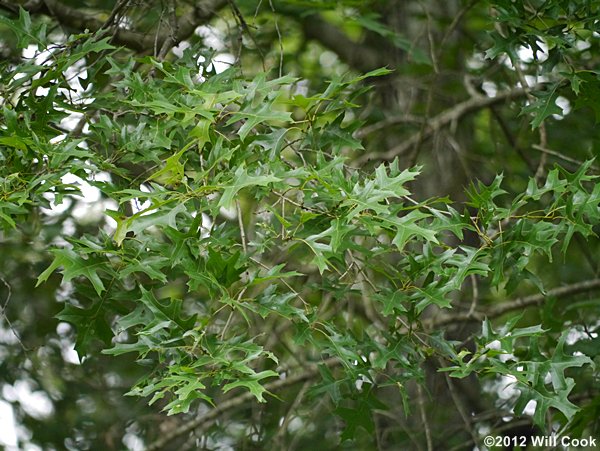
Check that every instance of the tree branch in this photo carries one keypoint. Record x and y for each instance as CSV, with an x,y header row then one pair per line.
x,y
208,418
312,371
388,122
134,40
440,121
356,55
512,305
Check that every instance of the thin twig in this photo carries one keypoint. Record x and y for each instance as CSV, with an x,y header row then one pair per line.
x,y
420,137
10,7
363,278
459,406
8,321
512,141
390,121
561,156
539,172
279,39
455,22
171,40
424,419
156,35
245,28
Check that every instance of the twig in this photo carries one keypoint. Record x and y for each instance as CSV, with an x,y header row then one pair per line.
x,y
420,137
435,56
511,139
539,172
364,280
279,39
455,23
475,294
172,39
156,36
430,41
245,28
241,224
561,156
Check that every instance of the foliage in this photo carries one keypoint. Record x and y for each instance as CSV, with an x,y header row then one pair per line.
x,y
241,251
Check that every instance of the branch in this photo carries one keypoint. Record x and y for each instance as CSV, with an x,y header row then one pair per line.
x,y
512,305
388,122
312,371
134,40
440,121
206,419
356,55
9,6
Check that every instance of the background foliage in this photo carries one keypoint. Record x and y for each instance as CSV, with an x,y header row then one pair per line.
x,y
362,225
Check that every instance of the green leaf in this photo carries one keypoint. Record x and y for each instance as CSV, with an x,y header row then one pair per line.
x,y
243,179
543,107
173,171
393,303
319,250
252,384
590,93
24,30
90,324
140,222
226,271
274,274
370,194
171,311
190,389
151,266
270,301
253,116
75,266
406,228
359,415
